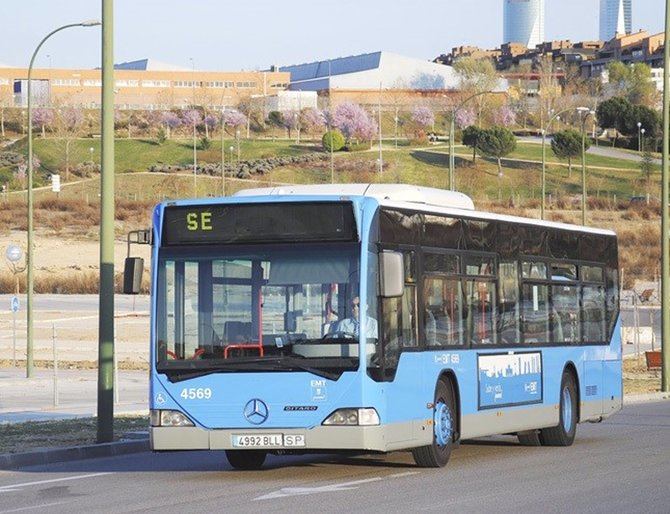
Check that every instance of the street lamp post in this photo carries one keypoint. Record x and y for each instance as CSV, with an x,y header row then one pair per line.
x,y
30,249
642,132
223,152
556,116
665,216
585,112
639,136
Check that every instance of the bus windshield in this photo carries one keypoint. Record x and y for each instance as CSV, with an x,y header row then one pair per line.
x,y
274,307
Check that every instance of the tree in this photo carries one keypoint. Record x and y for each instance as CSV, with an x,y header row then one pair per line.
x,y
649,118
549,87
66,128
471,137
610,112
647,166
333,140
171,121
291,121
234,119
313,120
423,117
276,119
211,122
477,76
192,118
354,122
634,82
465,118
6,100
161,136
567,144
43,118
504,116
620,114
497,142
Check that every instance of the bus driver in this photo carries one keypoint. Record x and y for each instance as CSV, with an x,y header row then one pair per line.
x,y
351,325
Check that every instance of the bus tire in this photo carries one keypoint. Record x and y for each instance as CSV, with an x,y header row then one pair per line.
x,y
246,459
529,438
564,433
436,455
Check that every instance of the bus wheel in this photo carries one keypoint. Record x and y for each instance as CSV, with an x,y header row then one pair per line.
x,y
436,455
246,459
563,434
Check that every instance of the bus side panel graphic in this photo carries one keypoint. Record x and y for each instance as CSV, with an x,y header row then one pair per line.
x,y
508,379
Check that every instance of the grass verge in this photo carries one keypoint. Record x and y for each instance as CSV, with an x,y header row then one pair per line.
x,y
636,378
32,435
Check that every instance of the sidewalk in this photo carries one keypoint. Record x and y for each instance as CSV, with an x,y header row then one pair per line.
x,y
23,399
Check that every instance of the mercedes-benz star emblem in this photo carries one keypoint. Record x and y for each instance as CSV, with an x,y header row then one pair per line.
x,y
256,411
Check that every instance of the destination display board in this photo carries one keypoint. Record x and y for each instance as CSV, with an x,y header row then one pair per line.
x,y
259,223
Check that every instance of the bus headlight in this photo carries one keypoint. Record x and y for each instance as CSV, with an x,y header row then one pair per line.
x,y
169,418
353,417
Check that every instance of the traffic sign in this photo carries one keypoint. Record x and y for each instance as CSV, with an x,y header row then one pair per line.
x,y
55,183
15,304
14,253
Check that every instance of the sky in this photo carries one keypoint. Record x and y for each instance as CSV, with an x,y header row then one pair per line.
x,y
254,34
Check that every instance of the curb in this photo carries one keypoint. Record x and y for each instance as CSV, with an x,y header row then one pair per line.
x,y
51,456
645,398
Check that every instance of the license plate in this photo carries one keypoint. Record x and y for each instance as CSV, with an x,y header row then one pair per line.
x,y
268,441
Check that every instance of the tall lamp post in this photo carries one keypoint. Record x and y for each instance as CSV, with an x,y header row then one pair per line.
x,y
639,136
665,224
223,152
30,250
452,146
545,130
585,112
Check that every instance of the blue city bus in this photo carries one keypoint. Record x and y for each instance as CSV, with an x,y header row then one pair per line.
x,y
375,318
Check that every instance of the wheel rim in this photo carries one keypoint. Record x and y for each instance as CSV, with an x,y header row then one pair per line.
x,y
567,410
443,424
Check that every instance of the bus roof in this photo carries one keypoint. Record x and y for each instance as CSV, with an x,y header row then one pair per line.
x,y
410,197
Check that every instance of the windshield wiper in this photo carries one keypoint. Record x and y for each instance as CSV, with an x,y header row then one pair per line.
x,y
251,364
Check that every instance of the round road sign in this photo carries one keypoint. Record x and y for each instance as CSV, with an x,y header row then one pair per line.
x,y
14,253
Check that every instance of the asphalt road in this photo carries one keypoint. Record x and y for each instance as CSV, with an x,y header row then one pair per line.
x,y
620,465
604,151
77,303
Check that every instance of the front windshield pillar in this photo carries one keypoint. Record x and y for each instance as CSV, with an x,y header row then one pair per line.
x,y
179,309
205,303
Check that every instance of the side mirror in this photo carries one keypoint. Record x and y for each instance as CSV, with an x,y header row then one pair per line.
x,y
132,275
391,274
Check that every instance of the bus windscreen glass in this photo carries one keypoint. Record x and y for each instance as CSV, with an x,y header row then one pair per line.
x,y
270,308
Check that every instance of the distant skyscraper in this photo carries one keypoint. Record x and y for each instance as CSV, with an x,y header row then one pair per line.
x,y
523,22
616,17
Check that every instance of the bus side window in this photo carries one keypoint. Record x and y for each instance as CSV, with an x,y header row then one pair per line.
x,y
399,320
508,303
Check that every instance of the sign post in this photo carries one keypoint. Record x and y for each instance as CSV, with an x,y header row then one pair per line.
x,y
15,305
14,254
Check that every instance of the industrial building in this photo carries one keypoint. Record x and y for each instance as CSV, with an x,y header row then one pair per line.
x,y
143,84
360,78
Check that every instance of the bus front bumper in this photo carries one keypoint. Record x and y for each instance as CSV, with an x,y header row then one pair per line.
x,y
371,438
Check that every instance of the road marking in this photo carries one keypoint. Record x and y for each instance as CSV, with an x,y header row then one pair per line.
x,y
22,509
345,486
15,487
